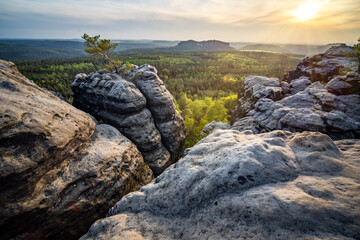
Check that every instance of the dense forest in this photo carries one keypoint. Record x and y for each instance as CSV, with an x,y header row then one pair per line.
x,y
204,84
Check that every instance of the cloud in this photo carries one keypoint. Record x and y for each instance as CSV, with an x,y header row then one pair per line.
x,y
174,19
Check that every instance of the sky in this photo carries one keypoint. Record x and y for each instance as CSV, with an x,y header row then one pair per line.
x,y
269,21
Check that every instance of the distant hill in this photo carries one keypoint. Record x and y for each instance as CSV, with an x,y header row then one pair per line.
x,y
45,43
20,52
265,47
39,49
307,49
302,49
210,45
143,44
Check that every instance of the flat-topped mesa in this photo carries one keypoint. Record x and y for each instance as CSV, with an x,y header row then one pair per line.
x,y
138,104
322,95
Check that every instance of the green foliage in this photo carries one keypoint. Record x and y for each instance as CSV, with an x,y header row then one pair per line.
x,y
199,112
96,46
127,67
12,52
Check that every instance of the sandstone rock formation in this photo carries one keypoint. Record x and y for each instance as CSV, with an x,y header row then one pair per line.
x,y
323,67
302,103
139,106
233,185
59,172
214,125
252,89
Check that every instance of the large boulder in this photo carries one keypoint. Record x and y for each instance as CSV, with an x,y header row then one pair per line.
x,y
233,185
137,103
59,172
305,106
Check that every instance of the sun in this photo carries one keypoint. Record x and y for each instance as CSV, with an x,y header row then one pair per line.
x,y
307,10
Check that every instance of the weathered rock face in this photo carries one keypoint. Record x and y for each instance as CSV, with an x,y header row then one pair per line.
x,y
59,173
324,67
214,125
140,107
332,109
253,89
232,185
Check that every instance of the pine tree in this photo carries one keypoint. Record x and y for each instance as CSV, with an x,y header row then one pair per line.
x,y
96,46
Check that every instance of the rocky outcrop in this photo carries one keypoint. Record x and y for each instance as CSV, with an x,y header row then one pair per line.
x,y
252,89
214,125
233,185
302,104
59,172
137,103
323,67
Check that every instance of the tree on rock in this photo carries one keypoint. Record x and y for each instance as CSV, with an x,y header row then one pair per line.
x,y
96,46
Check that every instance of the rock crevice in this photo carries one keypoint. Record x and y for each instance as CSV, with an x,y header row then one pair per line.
x,y
304,103
59,170
138,105
234,185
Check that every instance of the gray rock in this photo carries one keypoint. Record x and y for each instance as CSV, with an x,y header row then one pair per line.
x,y
349,104
302,119
233,185
214,125
59,96
59,173
339,51
117,95
253,89
343,85
299,84
332,109
310,110
31,131
137,103
324,67
248,123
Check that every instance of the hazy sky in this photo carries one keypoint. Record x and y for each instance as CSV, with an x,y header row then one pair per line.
x,y
227,20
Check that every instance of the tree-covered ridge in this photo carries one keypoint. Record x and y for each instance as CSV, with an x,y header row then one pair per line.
x,y
204,84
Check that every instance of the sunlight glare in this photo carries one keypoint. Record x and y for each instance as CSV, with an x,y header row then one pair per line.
x,y
307,10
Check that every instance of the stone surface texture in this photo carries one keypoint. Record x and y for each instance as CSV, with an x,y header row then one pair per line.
x,y
324,67
237,185
214,125
59,171
137,103
330,106
253,89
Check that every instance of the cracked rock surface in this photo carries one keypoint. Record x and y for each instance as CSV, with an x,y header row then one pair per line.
x,y
313,97
237,185
59,172
137,103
